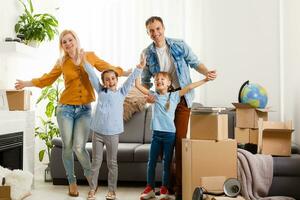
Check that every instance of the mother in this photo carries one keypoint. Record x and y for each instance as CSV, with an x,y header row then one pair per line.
x,y
74,110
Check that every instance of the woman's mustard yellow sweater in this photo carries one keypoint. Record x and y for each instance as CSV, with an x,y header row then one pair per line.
x,y
78,89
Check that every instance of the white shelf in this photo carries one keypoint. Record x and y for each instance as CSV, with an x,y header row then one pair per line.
x,y
17,48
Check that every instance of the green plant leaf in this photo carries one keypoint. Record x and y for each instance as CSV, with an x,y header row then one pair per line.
x,y
23,4
49,109
48,128
41,155
49,143
43,95
31,6
52,94
17,27
42,120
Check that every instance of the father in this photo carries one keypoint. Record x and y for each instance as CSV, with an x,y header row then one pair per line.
x,y
173,56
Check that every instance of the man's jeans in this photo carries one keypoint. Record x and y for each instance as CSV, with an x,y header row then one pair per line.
x,y
161,141
74,126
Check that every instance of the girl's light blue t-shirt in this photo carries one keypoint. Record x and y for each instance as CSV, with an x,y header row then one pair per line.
x,y
162,119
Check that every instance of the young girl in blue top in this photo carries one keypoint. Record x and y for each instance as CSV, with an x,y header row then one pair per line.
x,y
163,128
107,124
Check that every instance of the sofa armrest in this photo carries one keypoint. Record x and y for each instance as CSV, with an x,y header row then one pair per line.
x,y
295,149
57,142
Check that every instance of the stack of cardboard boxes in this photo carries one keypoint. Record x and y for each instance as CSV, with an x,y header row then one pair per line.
x,y
208,156
253,127
246,129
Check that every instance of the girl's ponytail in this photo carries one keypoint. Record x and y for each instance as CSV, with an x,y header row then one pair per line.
x,y
170,90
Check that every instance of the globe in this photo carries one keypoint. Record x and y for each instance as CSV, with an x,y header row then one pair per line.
x,y
253,94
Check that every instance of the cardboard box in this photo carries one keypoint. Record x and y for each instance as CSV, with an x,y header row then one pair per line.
x,y
5,193
242,135
253,136
209,126
246,135
247,116
275,138
206,158
18,99
212,183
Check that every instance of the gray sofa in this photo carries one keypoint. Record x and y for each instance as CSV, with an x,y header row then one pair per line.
x,y
133,156
286,179
133,152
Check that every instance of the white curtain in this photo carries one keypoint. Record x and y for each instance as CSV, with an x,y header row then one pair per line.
x,y
115,29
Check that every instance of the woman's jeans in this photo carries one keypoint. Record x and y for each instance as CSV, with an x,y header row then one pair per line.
x,y
161,141
74,126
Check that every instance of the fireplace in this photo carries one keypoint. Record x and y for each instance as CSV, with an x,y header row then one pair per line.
x,y
17,139
11,150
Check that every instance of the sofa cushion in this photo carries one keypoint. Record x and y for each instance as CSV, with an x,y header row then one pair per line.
x,y
134,129
125,151
141,153
287,186
287,166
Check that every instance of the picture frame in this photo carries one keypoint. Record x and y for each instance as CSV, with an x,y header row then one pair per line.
x,y
3,101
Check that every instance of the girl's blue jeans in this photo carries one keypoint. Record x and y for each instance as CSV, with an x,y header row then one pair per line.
x,y
161,142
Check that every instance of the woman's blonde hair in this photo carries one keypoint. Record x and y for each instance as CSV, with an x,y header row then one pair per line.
x,y
170,88
63,55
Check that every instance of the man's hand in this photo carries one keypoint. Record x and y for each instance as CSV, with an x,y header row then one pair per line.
x,y
211,75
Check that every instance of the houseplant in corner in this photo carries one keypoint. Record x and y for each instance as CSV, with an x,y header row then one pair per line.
x,y
35,27
48,129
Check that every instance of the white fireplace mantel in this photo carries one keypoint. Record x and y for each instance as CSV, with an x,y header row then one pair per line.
x,y
21,121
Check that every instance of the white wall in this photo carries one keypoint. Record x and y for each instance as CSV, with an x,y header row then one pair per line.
x,y
291,63
241,41
8,14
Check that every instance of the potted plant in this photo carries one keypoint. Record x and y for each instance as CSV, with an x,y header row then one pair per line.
x,y
48,129
36,27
